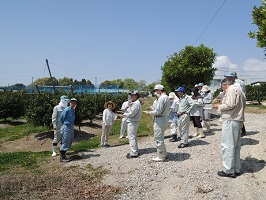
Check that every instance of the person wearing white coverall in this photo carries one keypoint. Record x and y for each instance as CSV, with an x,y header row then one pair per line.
x,y
124,108
133,118
172,116
161,115
67,130
207,99
57,110
232,117
186,103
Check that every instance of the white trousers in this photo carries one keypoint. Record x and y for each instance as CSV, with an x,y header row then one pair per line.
x,y
231,145
159,127
183,125
132,128
123,127
106,129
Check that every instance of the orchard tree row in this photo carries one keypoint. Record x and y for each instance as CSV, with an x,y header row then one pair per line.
x,y
38,108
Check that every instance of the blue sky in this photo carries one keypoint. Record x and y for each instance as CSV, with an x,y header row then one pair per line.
x,y
118,39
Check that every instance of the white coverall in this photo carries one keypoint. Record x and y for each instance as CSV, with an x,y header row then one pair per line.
x,y
161,113
186,103
124,108
232,117
133,117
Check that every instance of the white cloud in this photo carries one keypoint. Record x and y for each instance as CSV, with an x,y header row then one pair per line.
x,y
251,70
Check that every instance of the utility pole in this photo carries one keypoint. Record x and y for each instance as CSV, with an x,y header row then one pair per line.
x,y
50,74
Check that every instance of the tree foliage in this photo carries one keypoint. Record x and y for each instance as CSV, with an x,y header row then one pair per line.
x,y
190,66
259,18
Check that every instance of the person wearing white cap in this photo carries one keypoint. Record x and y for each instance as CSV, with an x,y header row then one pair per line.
x,y
160,113
57,110
207,100
196,113
67,130
133,117
172,116
124,108
186,103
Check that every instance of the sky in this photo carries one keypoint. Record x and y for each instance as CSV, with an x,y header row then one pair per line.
x,y
100,40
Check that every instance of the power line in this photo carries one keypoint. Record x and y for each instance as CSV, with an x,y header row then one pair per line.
x,y
209,23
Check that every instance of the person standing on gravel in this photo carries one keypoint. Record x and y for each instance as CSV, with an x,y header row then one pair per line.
x,y
133,117
108,119
172,116
57,111
186,103
160,113
232,117
67,130
124,108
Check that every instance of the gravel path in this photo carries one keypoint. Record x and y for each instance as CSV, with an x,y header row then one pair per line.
x,y
188,173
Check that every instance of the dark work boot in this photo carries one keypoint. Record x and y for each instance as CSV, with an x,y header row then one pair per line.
x,y
173,139
63,157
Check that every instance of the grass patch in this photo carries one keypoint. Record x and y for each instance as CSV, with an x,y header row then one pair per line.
x,y
26,160
19,131
84,145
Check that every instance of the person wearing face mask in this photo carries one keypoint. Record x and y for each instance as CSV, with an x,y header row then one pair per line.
x,y
67,130
160,113
57,110
207,100
124,108
133,117
172,116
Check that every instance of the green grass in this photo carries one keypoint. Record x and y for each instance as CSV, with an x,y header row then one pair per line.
x,y
26,160
19,131
256,106
84,145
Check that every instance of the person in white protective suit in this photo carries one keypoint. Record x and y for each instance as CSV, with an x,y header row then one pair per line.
x,y
124,108
186,103
57,110
161,115
133,118
232,117
172,116
207,100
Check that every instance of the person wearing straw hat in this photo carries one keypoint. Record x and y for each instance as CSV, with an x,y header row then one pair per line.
x,y
108,119
207,100
133,118
67,130
172,116
57,111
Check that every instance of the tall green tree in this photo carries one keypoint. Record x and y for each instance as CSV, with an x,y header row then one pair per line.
x,y
259,18
190,66
130,84
65,81
45,81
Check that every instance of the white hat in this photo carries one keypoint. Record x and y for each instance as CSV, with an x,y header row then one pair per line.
x,y
172,95
205,88
158,87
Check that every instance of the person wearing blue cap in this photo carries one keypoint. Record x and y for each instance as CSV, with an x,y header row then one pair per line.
x,y
57,110
67,118
241,84
186,103
232,117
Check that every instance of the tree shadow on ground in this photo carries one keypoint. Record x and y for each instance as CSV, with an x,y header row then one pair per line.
x,y
78,135
249,141
89,124
251,165
197,142
12,123
177,157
